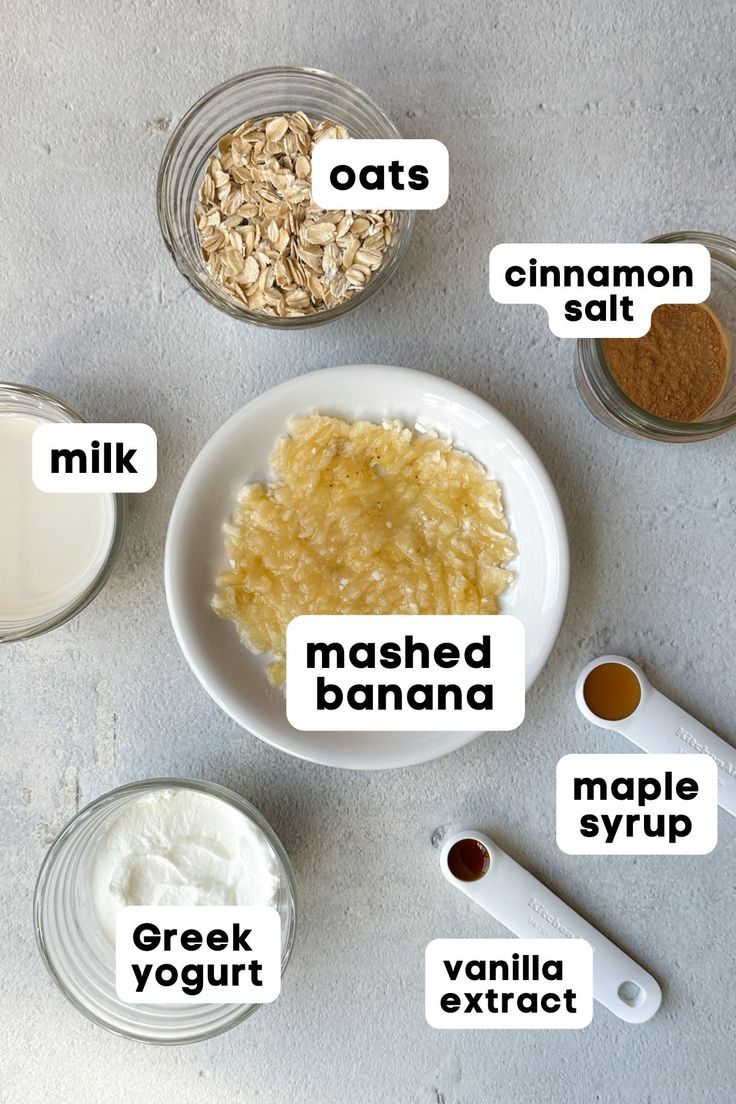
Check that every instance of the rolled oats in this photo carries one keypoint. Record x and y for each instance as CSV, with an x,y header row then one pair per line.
x,y
264,241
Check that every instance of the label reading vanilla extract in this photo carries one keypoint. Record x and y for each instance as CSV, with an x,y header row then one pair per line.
x,y
509,983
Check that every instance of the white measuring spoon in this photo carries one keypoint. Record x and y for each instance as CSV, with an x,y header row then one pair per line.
x,y
659,726
530,910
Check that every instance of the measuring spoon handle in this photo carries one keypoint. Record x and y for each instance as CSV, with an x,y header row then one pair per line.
x,y
660,726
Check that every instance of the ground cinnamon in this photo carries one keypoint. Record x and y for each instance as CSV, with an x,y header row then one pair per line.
x,y
677,370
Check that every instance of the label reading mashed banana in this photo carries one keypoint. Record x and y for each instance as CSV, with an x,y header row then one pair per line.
x,y
446,673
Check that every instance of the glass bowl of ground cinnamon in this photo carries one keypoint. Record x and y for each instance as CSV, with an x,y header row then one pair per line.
x,y
678,382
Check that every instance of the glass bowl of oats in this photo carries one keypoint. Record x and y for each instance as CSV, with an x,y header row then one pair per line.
x,y
235,209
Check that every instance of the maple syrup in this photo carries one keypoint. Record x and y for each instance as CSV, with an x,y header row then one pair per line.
x,y
612,691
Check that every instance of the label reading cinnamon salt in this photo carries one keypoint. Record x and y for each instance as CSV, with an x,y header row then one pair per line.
x,y
601,290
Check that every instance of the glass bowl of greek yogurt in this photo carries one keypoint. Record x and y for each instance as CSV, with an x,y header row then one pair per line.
x,y
58,550
165,841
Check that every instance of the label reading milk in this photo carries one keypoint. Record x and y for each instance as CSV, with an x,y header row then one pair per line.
x,y
369,174
600,290
637,804
444,673
198,954
509,983
115,457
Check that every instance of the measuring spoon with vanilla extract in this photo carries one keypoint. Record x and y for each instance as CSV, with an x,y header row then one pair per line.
x,y
613,692
478,867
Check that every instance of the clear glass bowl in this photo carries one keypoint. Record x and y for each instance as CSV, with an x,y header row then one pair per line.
x,y
19,399
81,960
610,405
262,92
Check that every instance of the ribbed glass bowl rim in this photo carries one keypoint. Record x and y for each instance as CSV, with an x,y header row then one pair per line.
x,y
214,789
205,290
14,631
625,411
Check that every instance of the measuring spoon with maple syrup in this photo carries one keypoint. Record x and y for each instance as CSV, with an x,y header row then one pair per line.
x,y
613,692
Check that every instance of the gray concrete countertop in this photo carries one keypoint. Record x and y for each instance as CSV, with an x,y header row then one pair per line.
x,y
564,121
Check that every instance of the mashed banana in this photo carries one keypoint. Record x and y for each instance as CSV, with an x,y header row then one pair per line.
x,y
361,518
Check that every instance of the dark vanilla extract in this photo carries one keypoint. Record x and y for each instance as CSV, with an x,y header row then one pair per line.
x,y
468,860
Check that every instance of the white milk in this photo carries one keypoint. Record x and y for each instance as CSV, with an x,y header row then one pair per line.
x,y
51,545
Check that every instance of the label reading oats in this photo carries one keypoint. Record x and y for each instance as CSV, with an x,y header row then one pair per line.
x,y
404,174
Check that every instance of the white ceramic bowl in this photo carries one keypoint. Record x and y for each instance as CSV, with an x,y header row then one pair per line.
x,y
238,453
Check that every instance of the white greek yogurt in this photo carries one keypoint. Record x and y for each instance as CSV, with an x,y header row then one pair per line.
x,y
178,846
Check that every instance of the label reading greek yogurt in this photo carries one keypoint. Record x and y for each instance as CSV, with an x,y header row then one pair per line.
x,y
199,954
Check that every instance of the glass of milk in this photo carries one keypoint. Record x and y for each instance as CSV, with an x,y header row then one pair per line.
x,y
57,550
